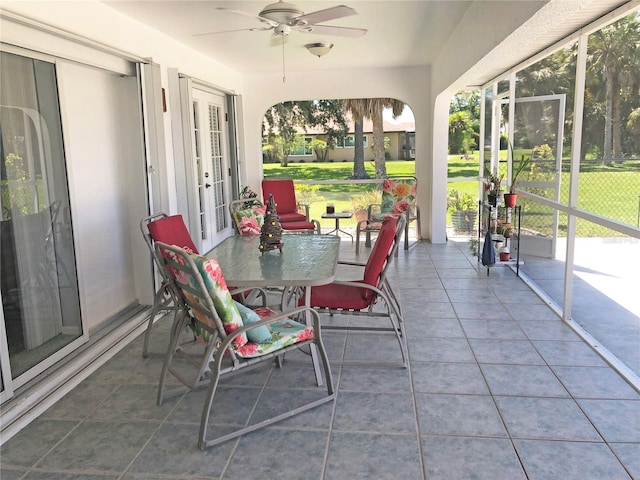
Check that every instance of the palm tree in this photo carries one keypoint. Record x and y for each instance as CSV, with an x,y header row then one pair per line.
x,y
613,52
372,108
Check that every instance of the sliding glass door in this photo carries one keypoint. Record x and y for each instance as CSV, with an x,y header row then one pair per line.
x,y
39,289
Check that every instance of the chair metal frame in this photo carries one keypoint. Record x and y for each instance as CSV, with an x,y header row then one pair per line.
x,y
383,290
165,297
372,225
218,358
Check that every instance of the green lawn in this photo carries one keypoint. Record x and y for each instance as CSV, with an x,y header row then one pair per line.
x,y
610,191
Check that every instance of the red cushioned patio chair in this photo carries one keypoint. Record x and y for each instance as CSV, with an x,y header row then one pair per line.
x,y
359,297
284,194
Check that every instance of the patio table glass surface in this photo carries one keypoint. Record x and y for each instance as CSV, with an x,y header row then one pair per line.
x,y
306,260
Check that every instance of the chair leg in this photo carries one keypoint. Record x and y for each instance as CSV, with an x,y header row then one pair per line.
x,y
358,238
159,301
406,236
179,323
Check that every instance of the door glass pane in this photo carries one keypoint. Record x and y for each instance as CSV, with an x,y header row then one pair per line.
x,y
217,162
39,286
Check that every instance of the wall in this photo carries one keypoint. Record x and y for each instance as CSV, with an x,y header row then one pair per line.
x,y
410,85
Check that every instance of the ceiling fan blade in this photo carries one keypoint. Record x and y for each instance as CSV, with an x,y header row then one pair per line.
x,y
253,29
325,15
249,15
330,30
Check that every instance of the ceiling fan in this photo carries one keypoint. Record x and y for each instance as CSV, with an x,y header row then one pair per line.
x,y
282,17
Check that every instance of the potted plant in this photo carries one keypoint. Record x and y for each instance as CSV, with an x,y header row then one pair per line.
x,y
360,203
463,210
492,186
511,198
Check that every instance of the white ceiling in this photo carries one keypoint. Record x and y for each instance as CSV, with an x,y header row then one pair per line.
x,y
400,33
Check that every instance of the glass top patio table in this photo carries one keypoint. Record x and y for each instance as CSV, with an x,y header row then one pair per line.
x,y
306,260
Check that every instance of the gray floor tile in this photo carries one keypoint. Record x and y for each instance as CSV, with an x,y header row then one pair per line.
x,y
277,401
368,456
549,330
173,450
568,353
532,312
595,382
435,377
440,350
492,329
232,406
481,311
31,443
448,458
107,446
523,380
133,402
569,460
362,379
80,402
11,474
468,415
271,453
505,351
374,412
545,419
471,296
67,476
629,455
434,327
616,420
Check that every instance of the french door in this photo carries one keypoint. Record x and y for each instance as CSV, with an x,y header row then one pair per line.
x,y
211,167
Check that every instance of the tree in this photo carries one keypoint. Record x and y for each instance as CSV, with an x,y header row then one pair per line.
x,y
372,108
285,119
614,55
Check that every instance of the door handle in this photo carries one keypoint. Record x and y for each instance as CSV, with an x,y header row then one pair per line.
x,y
207,185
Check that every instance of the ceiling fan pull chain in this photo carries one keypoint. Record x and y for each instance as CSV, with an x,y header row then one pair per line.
x,y
284,75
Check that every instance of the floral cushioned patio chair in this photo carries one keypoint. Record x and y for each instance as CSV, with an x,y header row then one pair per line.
x,y
233,336
398,198
247,216
170,229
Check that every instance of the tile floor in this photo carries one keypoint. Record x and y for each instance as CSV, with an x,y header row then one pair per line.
x,y
497,388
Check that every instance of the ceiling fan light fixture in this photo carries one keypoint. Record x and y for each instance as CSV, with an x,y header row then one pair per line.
x,y
319,49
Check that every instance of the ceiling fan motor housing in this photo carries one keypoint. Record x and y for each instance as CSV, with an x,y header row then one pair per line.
x,y
280,12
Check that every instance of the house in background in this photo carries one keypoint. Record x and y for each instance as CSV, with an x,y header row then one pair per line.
x,y
400,141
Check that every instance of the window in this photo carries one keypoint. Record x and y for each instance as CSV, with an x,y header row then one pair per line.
x,y
349,142
302,147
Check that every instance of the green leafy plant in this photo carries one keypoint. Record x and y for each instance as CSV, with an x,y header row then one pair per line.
x,y
459,201
363,200
517,168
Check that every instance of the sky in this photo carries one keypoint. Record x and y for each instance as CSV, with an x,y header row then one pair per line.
x,y
406,116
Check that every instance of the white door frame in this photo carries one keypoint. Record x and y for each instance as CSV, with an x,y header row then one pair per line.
x,y
186,168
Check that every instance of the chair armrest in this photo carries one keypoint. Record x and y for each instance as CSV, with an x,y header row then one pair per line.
x,y
353,264
306,209
363,285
